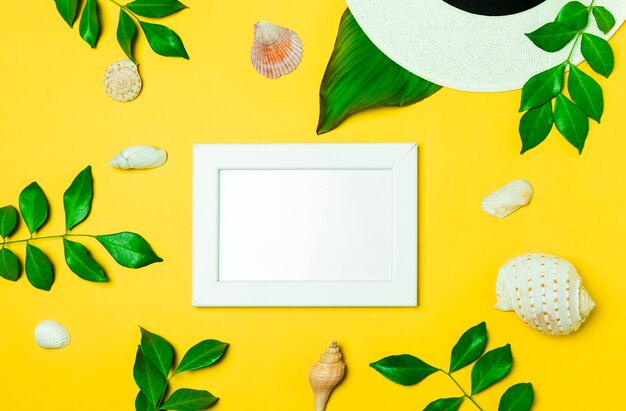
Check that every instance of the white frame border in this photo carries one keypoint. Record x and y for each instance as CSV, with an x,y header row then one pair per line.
x,y
209,159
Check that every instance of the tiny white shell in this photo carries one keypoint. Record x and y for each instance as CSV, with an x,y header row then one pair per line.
x,y
51,334
139,158
508,199
275,50
122,81
545,291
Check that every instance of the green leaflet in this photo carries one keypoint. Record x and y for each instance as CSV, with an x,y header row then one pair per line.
x,y
604,18
67,9
33,206
9,265
586,93
469,348
535,125
571,122
359,76
77,199
598,53
89,27
81,263
38,268
403,369
445,404
491,368
552,37
8,220
186,399
126,32
163,40
129,249
149,380
202,355
157,350
574,15
155,8
142,403
519,397
542,87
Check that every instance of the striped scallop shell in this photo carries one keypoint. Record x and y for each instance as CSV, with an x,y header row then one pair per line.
x,y
122,81
275,50
51,334
545,291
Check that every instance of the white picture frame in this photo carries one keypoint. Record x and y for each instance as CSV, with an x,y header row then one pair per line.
x,y
227,176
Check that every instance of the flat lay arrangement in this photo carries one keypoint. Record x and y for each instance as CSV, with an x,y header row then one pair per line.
x,y
289,204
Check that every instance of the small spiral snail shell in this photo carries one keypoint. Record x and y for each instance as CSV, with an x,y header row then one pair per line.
x,y
326,374
122,81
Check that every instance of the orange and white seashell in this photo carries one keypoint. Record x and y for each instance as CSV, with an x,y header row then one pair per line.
x,y
122,81
275,50
326,374
545,291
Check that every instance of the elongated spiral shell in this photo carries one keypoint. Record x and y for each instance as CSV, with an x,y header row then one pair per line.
x,y
508,199
139,158
122,81
545,291
326,374
275,50
51,334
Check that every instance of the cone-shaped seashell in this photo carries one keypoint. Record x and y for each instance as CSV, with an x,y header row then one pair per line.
x,y
326,374
508,199
545,291
122,81
275,50
51,334
139,158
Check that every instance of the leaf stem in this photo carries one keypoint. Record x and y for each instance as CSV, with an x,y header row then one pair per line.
x,y
465,394
3,243
123,7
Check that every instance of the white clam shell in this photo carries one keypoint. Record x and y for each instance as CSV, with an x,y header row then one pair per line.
x,y
139,158
545,291
51,334
275,50
122,81
508,199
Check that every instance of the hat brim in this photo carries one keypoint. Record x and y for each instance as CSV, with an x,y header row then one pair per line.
x,y
465,51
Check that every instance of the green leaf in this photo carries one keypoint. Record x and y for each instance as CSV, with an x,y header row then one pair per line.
x,y
33,206
535,125
189,400
67,9
586,93
202,355
359,76
89,26
598,53
9,265
469,348
126,32
542,87
129,249
38,268
552,37
519,397
445,404
163,40
491,368
77,199
403,369
142,403
148,379
571,122
157,350
81,263
604,18
574,15
8,220
155,8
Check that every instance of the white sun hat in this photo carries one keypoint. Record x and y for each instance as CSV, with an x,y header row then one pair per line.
x,y
440,42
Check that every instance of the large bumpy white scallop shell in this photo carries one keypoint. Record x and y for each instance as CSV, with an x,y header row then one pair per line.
x,y
51,334
275,50
508,199
122,81
139,158
545,291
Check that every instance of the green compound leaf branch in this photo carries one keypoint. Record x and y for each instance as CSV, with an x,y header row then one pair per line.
x,y
359,76
163,40
152,373
488,369
570,115
128,249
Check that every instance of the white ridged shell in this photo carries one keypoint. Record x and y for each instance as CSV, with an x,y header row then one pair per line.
x,y
51,334
545,291
275,50
508,199
122,81
139,158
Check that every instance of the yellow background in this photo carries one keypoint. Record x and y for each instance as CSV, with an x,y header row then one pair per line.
x,y
55,119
